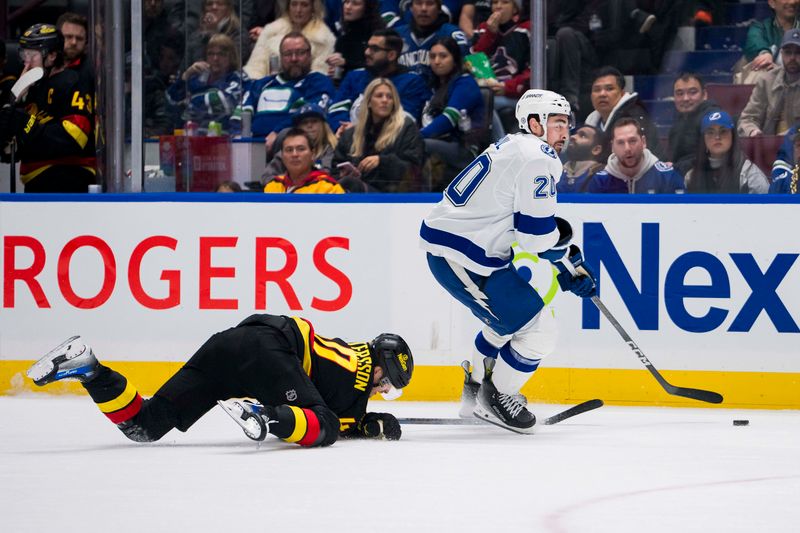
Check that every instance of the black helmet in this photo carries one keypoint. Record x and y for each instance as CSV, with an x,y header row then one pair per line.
x,y
44,37
392,353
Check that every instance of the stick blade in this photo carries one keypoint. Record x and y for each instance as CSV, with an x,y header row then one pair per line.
x,y
697,394
575,410
26,80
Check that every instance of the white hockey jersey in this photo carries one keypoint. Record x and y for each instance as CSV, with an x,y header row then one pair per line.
x,y
507,194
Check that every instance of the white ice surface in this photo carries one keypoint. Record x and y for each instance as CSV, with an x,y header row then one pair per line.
x,y
64,467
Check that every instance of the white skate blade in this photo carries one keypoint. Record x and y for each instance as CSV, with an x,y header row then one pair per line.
x,y
45,366
490,417
253,426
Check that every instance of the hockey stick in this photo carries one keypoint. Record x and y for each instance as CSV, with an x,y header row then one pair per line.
x,y
575,410
686,392
18,89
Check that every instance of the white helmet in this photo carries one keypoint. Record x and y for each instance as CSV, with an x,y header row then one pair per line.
x,y
540,103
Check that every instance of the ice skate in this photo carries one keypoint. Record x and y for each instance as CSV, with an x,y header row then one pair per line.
x,y
468,393
250,416
504,410
72,359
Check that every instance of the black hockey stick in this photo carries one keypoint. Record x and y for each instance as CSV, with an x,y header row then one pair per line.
x,y
588,405
686,392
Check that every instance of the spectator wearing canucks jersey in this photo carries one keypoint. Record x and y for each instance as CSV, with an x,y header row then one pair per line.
x,y
505,39
274,99
785,158
451,8
582,160
304,16
383,152
211,89
428,24
632,168
380,57
359,19
453,120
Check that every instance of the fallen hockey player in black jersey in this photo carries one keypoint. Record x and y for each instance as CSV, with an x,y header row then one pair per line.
x,y
309,389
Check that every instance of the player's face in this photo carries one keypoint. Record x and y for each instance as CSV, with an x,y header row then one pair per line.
x,y
218,60
381,104
425,12
557,131
352,10
300,12
688,95
605,94
718,140
295,57
628,146
506,9
377,386
442,62
297,155
31,58
74,40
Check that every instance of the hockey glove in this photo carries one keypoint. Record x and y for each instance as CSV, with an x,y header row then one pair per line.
x,y
13,122
380,425
582,284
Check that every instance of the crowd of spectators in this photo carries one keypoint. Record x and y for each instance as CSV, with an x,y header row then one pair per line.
x,y
399,95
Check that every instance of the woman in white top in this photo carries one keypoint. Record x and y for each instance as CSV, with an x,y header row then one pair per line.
x,y
305,16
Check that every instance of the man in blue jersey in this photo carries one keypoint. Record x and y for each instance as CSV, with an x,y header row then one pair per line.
x,y
274,100
632,168
507,194
428,24
383,49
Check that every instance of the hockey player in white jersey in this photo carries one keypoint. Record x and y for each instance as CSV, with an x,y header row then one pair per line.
x,y
507,194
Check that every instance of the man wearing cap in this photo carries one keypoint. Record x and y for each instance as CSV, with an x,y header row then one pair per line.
x,y
774,105
273,100
632,168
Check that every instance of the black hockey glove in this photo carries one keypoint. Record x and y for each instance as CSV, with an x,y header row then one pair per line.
x,y
380,425
567,262
13,122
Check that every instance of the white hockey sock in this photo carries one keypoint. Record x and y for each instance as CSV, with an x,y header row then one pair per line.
x,y
512,370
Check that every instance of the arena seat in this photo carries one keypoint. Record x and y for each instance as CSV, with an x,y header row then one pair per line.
x,y
762,150
731,98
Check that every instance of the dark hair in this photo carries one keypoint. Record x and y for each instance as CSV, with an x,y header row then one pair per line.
x,y
626,121
393,40
298,132
687,76
372,16
73,18
610,71
727,176
439,100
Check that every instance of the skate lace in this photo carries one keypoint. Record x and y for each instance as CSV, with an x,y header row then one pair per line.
x,y
511,404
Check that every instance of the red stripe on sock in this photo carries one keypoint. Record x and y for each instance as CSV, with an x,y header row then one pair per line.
x,y
128,412
312,430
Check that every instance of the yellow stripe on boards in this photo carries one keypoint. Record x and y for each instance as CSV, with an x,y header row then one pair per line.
x,y
300,425
742,390
120,401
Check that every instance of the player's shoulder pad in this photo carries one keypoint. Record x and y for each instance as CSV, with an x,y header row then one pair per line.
x,y
661,166
549,150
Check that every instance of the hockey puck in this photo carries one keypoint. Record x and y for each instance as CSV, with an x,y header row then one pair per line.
x,y
741,422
